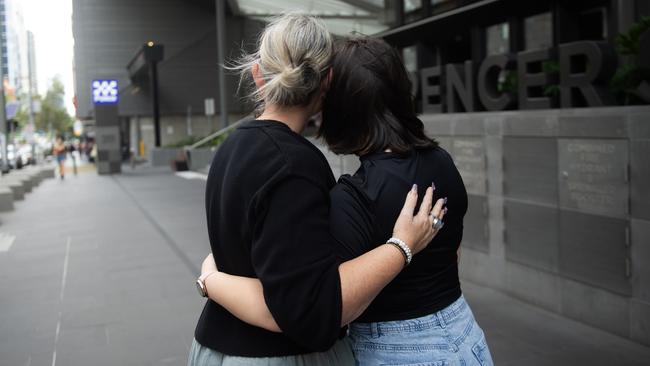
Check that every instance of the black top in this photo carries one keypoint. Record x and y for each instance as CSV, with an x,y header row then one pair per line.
x,y
267,203
364,209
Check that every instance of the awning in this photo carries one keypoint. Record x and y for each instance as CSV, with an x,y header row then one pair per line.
x,y
342,17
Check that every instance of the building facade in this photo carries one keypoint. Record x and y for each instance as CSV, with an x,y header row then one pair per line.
x,y
109,34
526,97
31,64
14,47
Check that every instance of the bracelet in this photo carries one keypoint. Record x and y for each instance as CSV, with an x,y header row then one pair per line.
x,y
408,255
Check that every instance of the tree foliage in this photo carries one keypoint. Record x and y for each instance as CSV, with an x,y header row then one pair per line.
x,y
629,76
628,43
53,113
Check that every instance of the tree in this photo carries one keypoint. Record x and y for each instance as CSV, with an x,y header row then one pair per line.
x,y
53,113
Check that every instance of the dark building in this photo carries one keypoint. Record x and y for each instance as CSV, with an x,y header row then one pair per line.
x,y
108,35
527,96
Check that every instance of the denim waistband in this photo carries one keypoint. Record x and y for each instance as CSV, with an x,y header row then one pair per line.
x,y
438,319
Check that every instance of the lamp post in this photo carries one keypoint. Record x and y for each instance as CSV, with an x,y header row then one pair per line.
x,y
221,30
153,53
143,68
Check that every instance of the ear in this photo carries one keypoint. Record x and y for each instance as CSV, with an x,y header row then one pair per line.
x,y
328,80
258,77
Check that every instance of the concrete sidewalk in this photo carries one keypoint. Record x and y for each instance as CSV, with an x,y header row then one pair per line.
x,y
99,271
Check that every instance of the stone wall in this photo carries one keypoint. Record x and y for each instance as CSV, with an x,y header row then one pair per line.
x,y
559,208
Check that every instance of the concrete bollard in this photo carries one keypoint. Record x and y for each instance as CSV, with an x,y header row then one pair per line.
x,y
16,187
46,171
24,180
6,199
27,176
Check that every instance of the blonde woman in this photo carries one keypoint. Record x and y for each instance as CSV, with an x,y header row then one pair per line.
x,y
267,203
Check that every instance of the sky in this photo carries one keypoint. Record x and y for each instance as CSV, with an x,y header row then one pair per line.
x,y
51,23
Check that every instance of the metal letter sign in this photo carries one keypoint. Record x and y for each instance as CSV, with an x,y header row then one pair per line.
x,y
105,91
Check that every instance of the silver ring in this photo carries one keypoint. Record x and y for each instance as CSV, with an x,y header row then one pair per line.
x,y
437,224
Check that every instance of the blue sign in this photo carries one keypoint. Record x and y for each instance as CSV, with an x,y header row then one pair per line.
x,y
105,91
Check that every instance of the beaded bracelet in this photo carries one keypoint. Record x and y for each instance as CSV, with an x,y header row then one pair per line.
x,y
408,255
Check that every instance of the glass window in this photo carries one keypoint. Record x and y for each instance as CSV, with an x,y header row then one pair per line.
x,y
410,57
412,5
497,39
538,30
592,24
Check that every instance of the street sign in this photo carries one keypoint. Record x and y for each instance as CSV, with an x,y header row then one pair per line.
x,y
209,107
105,91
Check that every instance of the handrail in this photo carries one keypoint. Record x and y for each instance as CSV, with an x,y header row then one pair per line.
x,y
215,134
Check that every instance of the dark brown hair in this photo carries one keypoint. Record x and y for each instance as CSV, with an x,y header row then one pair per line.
x,y
369,106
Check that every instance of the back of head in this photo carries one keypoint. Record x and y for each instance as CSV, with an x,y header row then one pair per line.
x,y
369,106
294,54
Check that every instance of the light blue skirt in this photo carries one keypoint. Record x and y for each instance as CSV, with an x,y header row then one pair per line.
x,y
339,354
450,337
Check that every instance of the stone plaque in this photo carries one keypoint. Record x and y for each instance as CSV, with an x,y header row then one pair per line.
x,y
531,234
594,249
446,143
593,176
640,178
530,169
475,224
469,156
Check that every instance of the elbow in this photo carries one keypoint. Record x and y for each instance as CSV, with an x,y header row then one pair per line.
x,y
271,325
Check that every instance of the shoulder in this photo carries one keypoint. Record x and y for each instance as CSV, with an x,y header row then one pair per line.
x,y
350,188
302,157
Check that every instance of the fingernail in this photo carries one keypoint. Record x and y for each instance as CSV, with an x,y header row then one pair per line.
x,y
433,185
415,187
445,210
445,200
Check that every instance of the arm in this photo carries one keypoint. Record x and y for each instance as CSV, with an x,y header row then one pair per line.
x,y
361,278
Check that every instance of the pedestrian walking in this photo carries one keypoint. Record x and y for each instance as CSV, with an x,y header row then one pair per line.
x,y
59,151
421,317
267,203
72,150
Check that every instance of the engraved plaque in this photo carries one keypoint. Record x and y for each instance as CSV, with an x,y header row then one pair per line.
x,y
593,249
531,234
640,178
593,176
530,169
469,156
475,224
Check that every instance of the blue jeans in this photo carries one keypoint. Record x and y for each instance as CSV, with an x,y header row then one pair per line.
x,y
450,337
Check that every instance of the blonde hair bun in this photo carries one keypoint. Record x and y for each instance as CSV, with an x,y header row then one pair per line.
x,y
294,53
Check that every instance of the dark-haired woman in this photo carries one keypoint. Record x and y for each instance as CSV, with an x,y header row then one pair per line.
x,y
421,317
